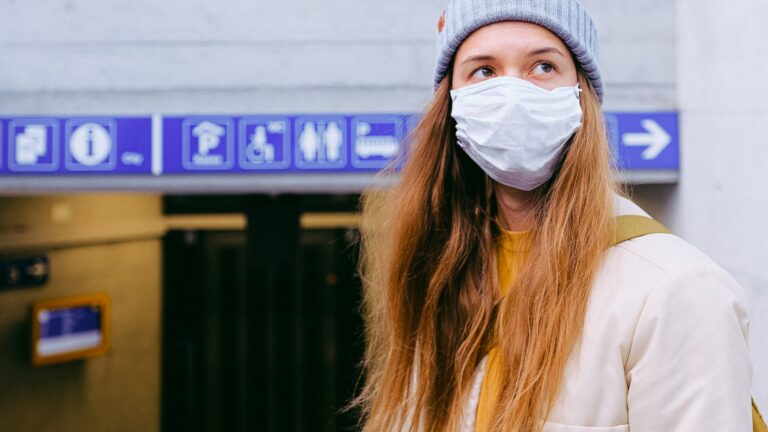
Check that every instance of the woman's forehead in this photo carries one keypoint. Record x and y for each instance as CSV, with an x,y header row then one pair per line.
x,y
509,37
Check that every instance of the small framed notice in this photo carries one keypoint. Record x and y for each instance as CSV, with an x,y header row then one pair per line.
x,y
70,328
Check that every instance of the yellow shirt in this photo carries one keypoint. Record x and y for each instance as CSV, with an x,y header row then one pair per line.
x,y
512,250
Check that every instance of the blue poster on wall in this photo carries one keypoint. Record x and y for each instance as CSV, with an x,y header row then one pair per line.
x,y
69,329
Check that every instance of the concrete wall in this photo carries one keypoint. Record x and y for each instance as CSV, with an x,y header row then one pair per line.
x,y
186,56
721,203
637,53
202,56
119,392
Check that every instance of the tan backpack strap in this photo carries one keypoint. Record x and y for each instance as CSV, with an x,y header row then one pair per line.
x,y
633,226
758,424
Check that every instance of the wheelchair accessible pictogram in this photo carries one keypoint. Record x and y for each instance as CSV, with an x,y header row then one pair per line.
x,y
264,143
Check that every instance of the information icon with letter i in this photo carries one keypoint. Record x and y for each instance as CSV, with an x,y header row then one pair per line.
x,y
33,145
91,145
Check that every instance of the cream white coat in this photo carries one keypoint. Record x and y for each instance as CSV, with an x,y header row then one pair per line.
x,y
664,347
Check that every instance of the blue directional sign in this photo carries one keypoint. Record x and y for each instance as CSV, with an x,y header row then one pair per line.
x,y
645,141
266,144
75,145
281,144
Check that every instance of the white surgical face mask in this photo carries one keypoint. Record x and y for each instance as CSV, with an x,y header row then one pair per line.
x,y
515,130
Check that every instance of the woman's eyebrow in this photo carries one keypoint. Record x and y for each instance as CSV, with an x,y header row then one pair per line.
x,y
486,57
479,57
547,50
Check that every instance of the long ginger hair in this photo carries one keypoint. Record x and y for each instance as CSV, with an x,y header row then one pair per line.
x,y
430,277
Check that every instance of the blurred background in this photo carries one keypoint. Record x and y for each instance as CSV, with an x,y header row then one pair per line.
x,y
200,163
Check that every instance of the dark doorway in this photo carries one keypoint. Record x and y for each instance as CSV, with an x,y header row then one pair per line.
x,y
261,330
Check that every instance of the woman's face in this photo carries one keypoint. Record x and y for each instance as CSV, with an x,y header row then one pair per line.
x,y
515,49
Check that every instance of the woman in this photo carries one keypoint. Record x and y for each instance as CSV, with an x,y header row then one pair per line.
x,y
495,298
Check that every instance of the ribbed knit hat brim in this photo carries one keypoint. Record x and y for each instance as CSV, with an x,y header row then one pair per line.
x,y
566,18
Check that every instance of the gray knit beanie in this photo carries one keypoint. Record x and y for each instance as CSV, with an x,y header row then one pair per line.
x,y
566,18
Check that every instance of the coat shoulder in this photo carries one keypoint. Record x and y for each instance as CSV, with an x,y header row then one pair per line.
x,y
666,254
666,267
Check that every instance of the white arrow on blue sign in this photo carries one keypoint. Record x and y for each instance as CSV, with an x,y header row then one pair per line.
x,y
655,139
645,141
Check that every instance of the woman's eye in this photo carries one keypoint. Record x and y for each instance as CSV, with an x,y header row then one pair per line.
x,y
483,73
543,68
